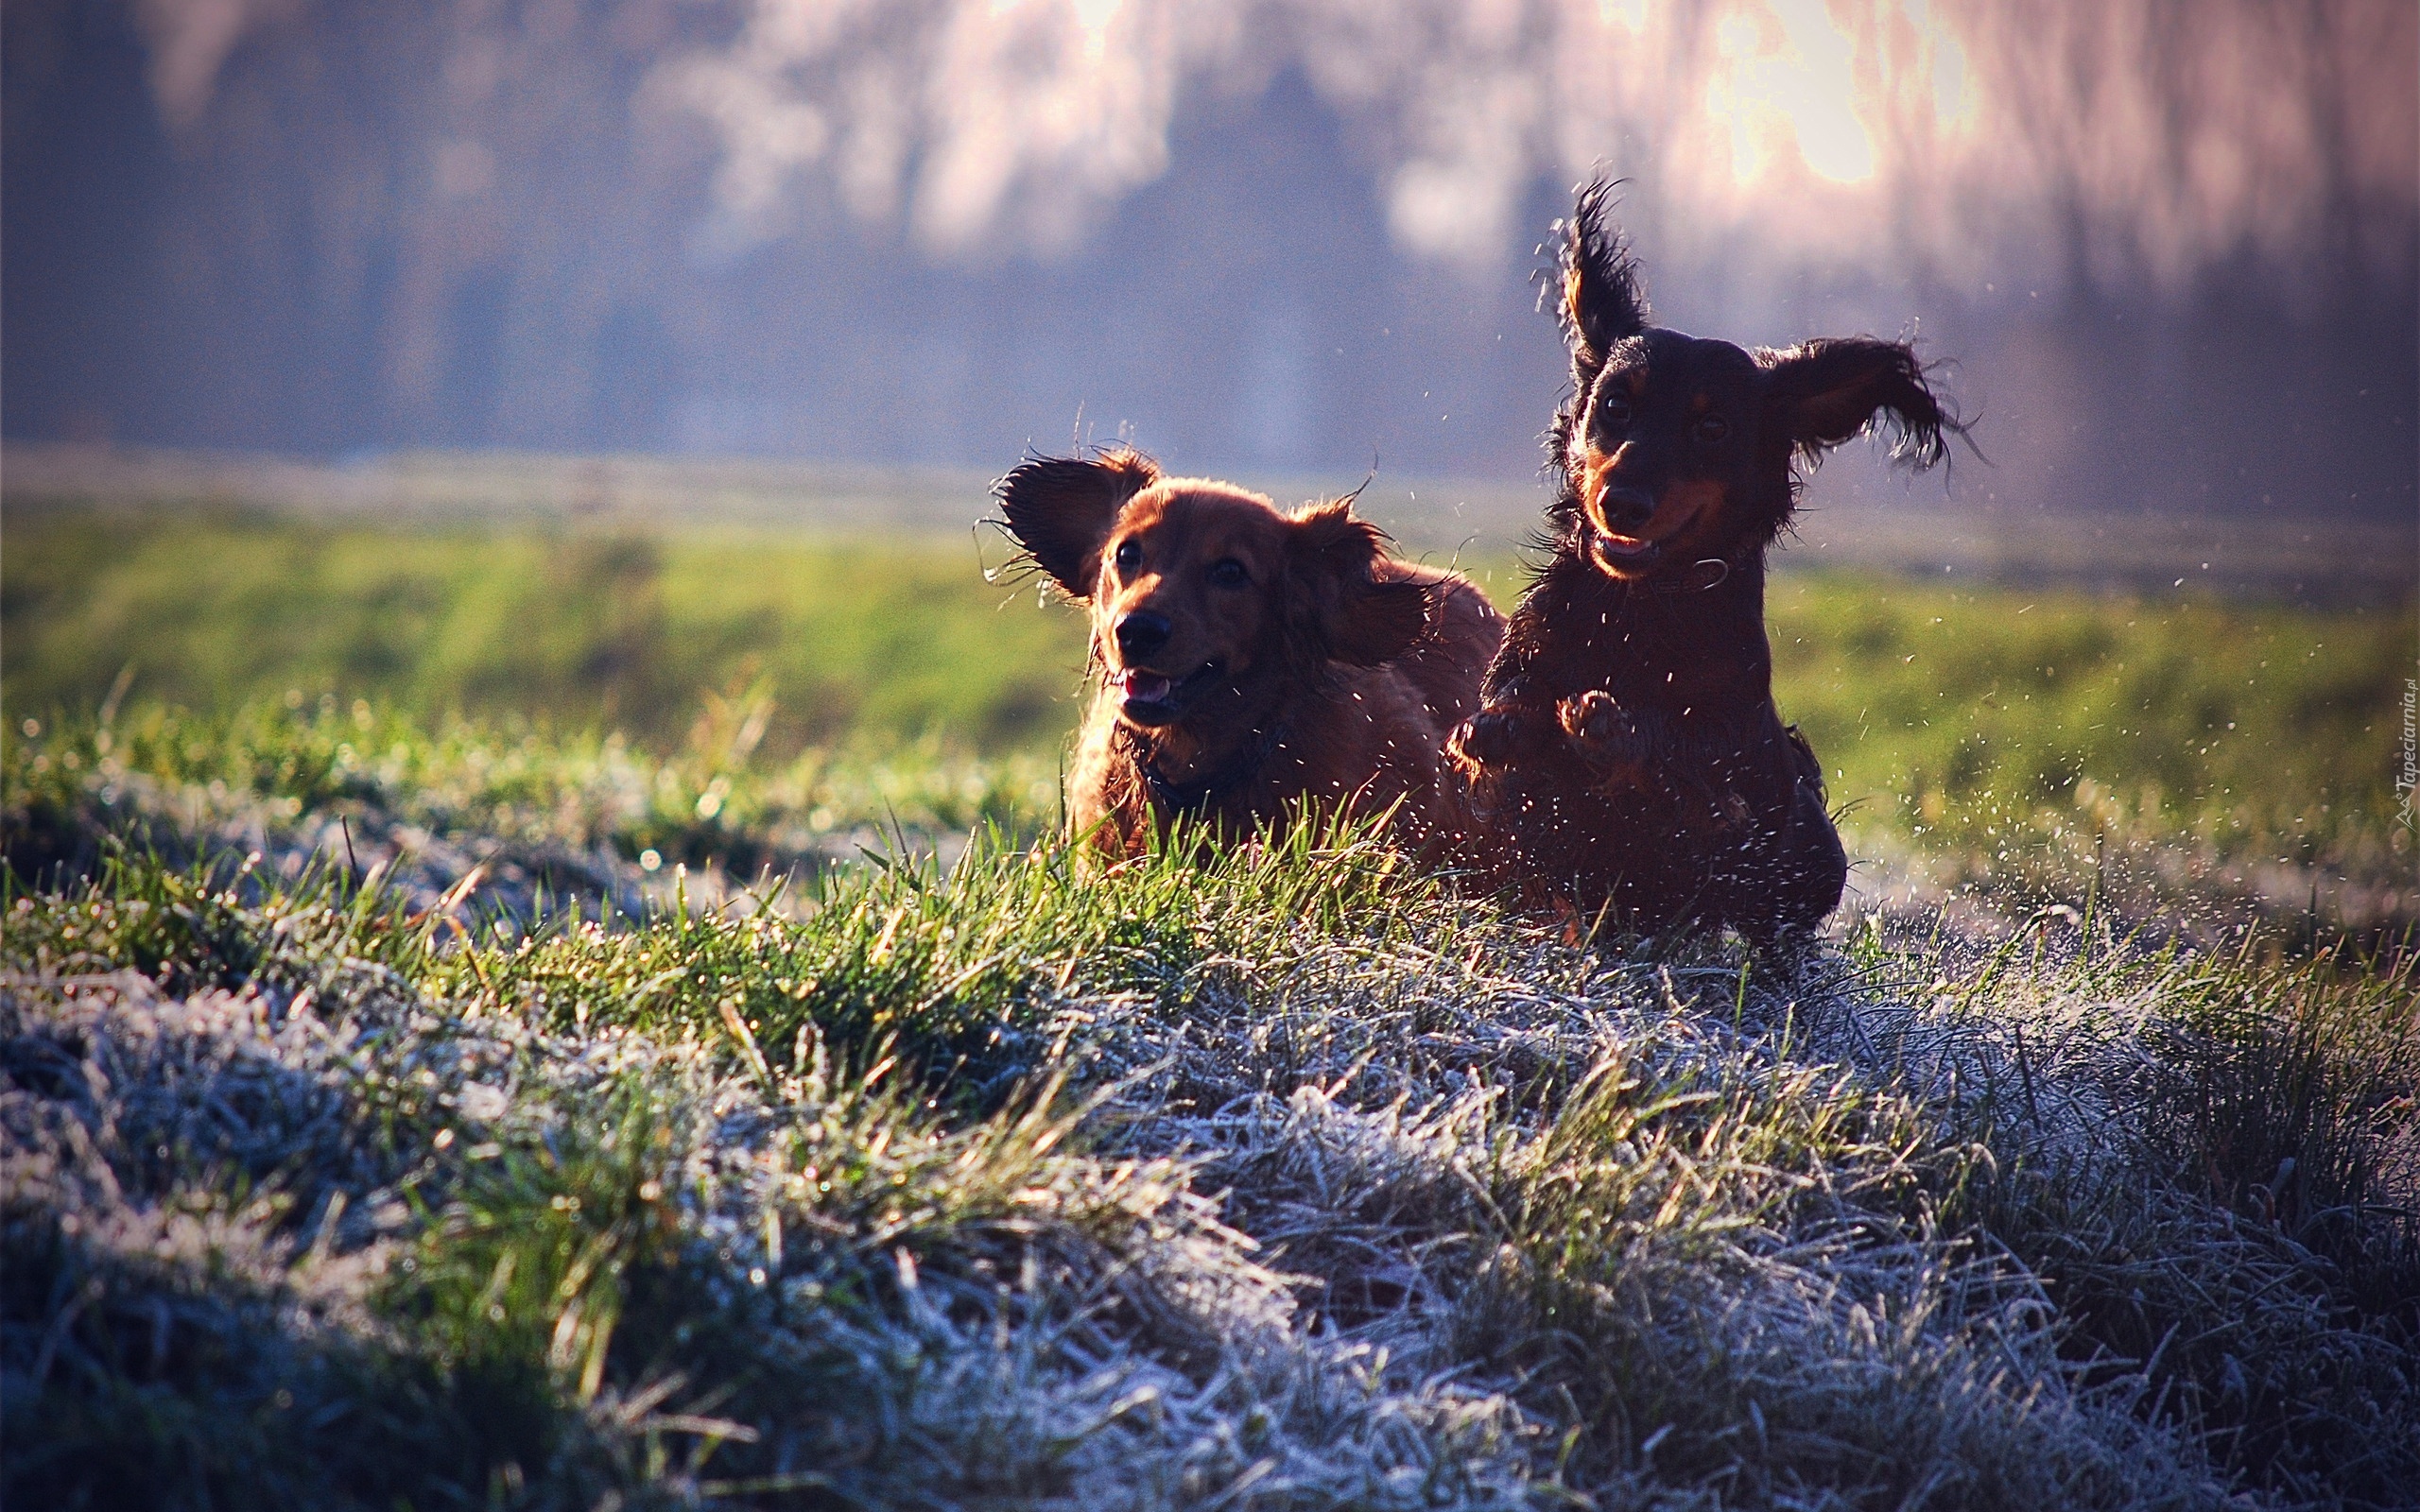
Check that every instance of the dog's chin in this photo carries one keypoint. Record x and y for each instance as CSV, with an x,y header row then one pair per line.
x,y
1624,556
1152,699
1151,713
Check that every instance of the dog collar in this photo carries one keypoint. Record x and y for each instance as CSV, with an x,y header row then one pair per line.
x,y
1182,799
1706,573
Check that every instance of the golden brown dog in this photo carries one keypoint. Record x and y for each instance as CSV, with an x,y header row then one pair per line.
x,y
1251,661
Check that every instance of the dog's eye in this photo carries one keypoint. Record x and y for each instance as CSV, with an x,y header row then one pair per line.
x,y
1712,429
1614,409
1228,573
1129,555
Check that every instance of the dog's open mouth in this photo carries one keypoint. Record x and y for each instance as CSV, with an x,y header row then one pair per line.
x,y
1156,699
1623,554
1627,553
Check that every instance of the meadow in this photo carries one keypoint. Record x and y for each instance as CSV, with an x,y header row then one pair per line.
x,y
571,1015
2218,757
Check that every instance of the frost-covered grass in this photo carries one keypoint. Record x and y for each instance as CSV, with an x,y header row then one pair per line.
x,y
1291,1180
544,819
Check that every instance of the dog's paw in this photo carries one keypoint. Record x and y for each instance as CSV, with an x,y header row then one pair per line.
x,y
1491,737
1602,730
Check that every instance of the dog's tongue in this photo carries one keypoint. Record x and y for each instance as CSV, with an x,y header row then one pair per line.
x,y
1146,687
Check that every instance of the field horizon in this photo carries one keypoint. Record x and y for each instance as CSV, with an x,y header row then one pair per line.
x,y
1850,518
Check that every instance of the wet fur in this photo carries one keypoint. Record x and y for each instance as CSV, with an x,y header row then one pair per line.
x,y
1343,667
1628,754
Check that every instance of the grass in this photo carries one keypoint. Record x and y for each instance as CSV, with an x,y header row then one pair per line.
x,y
1289,1179
2025,736
585,821
410,1096
578,628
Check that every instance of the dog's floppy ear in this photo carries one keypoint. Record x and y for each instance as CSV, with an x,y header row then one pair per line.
x,y
1602,302
1338,608
1060,510
1824,392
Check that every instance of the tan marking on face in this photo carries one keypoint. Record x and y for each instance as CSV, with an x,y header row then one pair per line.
x,y
1693,502
1594,466
1684,503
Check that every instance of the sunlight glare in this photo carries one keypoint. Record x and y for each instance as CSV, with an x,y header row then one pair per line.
x,y
1093,18
1800,84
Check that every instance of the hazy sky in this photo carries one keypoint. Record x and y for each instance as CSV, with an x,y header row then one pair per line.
x,y
2172,248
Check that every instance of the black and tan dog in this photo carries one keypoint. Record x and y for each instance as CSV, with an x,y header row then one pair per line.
x,y
1627,752
1252,664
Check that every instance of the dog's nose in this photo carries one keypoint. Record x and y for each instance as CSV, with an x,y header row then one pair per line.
x,y
1141,633
1626,509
